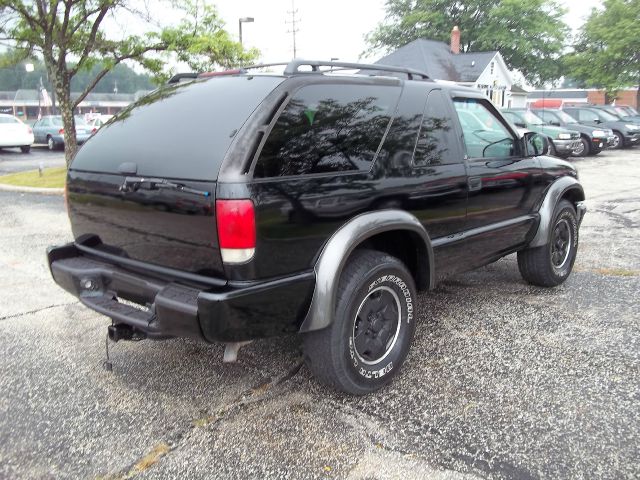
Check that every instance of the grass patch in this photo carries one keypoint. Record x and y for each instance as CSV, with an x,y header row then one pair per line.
x,y
51,178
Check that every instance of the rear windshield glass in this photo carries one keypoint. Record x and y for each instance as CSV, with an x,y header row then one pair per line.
x,y
9,120
181,131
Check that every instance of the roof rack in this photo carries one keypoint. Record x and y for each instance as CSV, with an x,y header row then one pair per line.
x,y
293,68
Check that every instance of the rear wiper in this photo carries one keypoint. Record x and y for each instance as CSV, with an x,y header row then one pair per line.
x,y
132,184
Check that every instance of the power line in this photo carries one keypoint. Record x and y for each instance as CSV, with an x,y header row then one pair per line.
x,y
293,22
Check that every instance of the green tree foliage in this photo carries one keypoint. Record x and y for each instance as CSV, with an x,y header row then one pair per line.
x,y
69,36
530,34
14,77
607,54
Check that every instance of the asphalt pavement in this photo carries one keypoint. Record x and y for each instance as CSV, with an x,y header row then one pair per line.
x,y
504,380
13,160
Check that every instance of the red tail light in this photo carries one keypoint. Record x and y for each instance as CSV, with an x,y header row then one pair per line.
x,y
61,131
236,221
94,130
30,130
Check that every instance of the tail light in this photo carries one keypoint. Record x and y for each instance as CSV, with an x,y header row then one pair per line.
x,y
61,131
93,130
236,221
30,130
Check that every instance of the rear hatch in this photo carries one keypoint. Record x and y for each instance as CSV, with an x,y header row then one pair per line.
x,y
143,187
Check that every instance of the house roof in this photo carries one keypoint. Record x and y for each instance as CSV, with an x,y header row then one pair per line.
x,y
515,89
438,62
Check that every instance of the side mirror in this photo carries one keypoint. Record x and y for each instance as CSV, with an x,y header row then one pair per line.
x,y
535,144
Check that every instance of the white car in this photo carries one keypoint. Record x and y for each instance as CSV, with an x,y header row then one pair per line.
x,y
96,122
14,133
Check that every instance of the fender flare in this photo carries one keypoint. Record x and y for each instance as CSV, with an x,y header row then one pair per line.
x,y
337,250
556,191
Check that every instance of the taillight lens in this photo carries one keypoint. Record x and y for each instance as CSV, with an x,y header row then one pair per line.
x,y
236,221
30,130
61,131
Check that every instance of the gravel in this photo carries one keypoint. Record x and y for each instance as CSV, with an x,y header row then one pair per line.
x,y
504,380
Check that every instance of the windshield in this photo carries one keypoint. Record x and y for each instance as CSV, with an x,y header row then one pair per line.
x,y
179,131
565,117
531,118
9,120
607,117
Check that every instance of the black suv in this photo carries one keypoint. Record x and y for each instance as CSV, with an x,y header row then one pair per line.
x,y
625,133
249,205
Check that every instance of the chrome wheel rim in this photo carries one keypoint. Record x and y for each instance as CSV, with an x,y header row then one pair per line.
x,y
560,244
376,326
50,143
579,150
616,141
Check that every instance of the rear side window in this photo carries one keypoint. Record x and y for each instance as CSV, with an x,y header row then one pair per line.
x,y
326,129
437,138
180,131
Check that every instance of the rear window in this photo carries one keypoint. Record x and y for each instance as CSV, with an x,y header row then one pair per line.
x,y
328,128
180,131
9,120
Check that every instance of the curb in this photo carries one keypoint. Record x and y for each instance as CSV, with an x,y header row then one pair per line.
x,y
24,189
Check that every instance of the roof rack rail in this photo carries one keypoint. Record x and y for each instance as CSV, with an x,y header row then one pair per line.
x,y
180,77
293,68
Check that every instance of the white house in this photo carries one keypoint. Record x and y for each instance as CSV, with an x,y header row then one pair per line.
x,y
485,71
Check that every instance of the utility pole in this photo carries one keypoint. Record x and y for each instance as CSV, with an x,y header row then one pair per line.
x,y
293,22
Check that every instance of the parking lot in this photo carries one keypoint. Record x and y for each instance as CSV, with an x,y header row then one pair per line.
x,y
504,380
13,160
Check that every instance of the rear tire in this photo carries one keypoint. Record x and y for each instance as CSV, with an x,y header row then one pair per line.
x,y
51,145
372,329
551,264
25,148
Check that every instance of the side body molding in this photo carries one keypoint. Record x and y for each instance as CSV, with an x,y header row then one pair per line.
x,y
337,250
555,192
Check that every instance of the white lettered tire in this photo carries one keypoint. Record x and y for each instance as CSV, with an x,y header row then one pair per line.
x,y
372,329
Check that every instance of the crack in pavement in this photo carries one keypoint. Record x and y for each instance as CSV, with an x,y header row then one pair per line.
x,y
21,314
165,447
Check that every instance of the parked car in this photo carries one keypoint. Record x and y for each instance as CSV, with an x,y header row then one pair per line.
x,y
319,204
14,133
592,140
563,140
625,134
50,130
627,110
619,113
98,121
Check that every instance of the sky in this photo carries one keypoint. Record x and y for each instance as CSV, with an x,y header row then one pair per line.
x,y
326,28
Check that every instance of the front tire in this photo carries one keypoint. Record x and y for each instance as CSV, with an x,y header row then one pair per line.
x,y
372,329
583,149
551,264
618,141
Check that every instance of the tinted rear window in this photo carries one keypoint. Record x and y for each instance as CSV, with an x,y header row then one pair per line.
x,y
181,131
328,128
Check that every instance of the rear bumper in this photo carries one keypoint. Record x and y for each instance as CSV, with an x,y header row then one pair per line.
x,y
165,309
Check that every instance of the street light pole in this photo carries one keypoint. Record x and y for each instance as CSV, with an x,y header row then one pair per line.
x,y
240,22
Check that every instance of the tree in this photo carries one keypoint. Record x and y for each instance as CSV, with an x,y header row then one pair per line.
x,y
528,33
607,54
70,37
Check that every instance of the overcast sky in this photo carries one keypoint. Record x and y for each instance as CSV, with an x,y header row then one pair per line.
x,y
327,28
